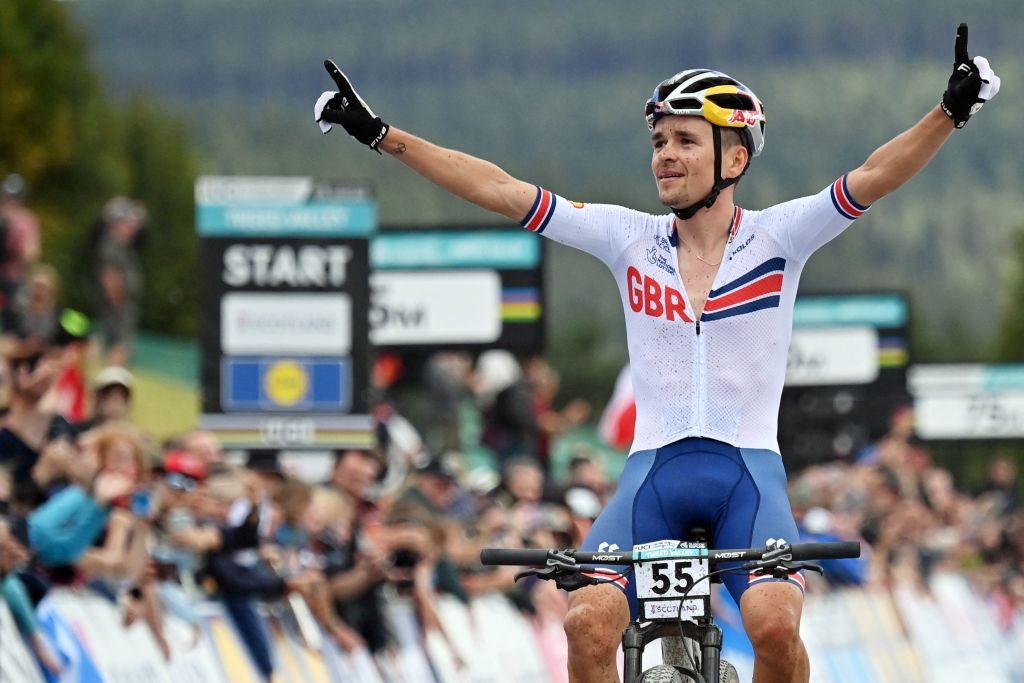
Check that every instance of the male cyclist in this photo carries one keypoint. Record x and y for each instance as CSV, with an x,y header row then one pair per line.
x,y
708,295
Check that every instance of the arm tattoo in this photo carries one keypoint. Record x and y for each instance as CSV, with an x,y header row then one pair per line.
x,y
399,149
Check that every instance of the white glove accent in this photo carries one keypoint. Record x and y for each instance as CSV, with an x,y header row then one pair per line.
x,y
318,110
989,81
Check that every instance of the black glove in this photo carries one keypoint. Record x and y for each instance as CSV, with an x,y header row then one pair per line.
x,y
971,85
346,108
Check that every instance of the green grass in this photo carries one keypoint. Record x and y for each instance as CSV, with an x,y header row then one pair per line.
x,y
164,407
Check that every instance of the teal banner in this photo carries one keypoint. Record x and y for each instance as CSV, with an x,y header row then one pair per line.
x,y
882,310
999,378
500,249
333,218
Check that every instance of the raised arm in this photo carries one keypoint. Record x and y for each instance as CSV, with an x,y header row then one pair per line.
x,y
465,176
972,84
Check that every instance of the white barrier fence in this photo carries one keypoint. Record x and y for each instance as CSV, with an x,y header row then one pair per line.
x,y
853,636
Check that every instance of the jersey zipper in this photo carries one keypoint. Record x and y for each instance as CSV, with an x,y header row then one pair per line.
x,y
699,383
698,366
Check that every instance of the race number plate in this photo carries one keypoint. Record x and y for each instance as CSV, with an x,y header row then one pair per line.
x,y
669,570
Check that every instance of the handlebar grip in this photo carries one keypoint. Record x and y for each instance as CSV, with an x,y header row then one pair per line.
x,y
825,551
516,557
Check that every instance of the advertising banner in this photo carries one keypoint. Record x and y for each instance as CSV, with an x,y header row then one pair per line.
x,y
284,310
968,401
846,375
467,289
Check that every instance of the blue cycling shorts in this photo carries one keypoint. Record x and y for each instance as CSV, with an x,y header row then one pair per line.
x,y
737,494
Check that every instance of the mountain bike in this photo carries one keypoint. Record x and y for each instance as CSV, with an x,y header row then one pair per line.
x,y
673,593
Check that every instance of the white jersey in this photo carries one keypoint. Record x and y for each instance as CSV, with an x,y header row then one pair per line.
x,y
720,376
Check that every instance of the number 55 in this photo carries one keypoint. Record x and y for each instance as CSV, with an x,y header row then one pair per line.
x,y
683,579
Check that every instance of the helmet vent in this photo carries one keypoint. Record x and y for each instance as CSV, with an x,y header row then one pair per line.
x,y
733,101
685,103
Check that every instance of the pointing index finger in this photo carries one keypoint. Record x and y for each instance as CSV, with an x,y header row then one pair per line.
x,y
960,47
339,78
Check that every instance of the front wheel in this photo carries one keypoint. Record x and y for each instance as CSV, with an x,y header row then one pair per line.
x,y
663,673
670,674
727,673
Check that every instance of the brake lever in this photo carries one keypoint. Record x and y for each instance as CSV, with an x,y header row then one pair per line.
x,y
568,579
783,569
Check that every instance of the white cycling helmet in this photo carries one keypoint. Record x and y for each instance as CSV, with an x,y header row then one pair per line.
x,y
718,98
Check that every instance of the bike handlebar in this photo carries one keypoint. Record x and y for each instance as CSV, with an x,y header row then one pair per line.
x,y
538,557
835,550
516,557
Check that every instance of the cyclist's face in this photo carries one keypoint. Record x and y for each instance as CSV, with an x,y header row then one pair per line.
x,y
683,159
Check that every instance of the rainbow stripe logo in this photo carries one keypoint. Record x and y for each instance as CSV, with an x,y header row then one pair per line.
x,y
892,352
520,304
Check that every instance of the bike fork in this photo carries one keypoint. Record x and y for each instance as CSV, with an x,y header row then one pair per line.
x,y
632,653
711,651
637,636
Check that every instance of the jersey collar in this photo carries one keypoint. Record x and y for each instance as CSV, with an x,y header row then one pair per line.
x,y
734,227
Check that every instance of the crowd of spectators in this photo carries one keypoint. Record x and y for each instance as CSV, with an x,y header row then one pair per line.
x,y
915,519
87,499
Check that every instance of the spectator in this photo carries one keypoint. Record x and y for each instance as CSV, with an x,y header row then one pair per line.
x,y
67,525
434,486
496,370
328,525
418,568
69,397
510,425
1001,485
895,443
544,382
112,398
36,316
13,556
121,557
402,446
205,446
292,556
233,560
120,561
119,272
522,420
19,246
531,519
447,376
263,477
585,472
585,493
178,477
433,494
361,569
28,428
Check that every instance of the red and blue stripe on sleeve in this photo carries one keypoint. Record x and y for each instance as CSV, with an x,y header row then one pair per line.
x,y
541,212
844,203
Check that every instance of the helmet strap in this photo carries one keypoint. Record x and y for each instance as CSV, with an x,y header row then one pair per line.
x,y
719,184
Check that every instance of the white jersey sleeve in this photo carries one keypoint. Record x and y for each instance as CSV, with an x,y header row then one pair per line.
x,y
599,229
804,225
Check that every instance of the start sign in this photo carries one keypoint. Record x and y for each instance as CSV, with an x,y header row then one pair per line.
x,y
284,310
